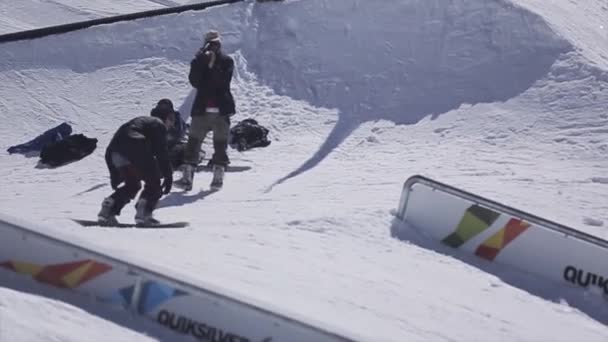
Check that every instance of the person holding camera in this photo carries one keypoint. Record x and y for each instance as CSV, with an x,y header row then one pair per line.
x,y
211,75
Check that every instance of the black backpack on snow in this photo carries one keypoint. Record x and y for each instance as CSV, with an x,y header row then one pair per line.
x,y
248,134
71,148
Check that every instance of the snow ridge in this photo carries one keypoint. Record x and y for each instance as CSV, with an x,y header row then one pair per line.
x,y
428,57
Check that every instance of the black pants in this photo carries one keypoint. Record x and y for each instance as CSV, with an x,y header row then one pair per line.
x,y
176,154
142,167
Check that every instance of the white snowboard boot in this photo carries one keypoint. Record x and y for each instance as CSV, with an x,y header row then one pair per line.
x,y
144,217
106,214
218,177
187,177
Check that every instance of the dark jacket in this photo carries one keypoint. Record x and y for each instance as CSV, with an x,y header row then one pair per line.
x,y
177,132
53,135
212,83
142,141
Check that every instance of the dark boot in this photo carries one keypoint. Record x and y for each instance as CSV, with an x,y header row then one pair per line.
x,y
143,214
190,159
218,177
107,214
187,178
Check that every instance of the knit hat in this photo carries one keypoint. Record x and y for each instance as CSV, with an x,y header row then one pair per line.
x,y
212,36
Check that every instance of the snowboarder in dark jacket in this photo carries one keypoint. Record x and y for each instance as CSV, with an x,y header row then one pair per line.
x,y
138,151
211,74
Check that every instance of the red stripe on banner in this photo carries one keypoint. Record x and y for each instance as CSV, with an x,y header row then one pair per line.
x,y
53,274
488,253
512,230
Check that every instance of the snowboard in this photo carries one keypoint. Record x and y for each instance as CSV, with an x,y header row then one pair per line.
x,y
94,223
229,169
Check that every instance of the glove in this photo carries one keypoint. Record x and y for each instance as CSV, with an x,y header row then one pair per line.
x,y
167,184
201,51
115,180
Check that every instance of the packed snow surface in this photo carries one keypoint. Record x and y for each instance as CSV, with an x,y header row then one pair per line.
x,y
505,99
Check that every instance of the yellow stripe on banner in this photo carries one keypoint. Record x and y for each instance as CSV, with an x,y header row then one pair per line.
x,y
73,278
496,240
27,268
470,226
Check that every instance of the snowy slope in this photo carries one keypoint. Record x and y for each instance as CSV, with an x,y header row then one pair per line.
x,y
527,83
588,32
31,14
502,100
28,318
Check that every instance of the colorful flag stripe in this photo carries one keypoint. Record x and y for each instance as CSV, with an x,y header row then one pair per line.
x,y
490,248
475,220
68,275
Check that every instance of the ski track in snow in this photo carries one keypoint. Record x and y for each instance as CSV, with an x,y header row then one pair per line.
x,y
320,242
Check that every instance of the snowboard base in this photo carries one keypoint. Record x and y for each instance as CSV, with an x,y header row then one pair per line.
x,y
95,223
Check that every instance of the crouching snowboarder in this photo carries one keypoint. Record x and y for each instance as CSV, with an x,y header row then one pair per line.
x,y
138,152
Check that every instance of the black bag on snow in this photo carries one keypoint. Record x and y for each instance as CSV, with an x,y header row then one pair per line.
x,y
248,134
69,149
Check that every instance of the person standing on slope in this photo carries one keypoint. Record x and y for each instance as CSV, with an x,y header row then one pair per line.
x,y
211,75
138,151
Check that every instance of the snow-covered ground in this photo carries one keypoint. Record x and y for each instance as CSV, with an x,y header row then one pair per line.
x,y
25,317
506,99
31,14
